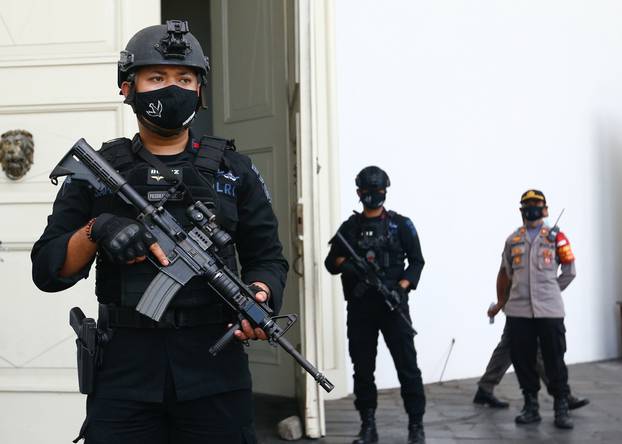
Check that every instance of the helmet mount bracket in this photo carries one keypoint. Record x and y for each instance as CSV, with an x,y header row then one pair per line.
x,y
174,45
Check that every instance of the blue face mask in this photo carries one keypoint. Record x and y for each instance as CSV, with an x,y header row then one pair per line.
x,y
373,199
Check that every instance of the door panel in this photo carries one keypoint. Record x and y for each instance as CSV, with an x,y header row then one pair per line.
x,y
249,84
58,66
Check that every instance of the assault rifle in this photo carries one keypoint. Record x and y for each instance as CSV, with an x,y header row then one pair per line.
x,y
371,273
190,253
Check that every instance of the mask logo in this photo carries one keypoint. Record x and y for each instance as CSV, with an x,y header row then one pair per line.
x,y
157,178
155,111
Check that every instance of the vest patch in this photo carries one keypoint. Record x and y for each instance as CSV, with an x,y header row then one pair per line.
x,y
155,178
156,196
226,183
227,189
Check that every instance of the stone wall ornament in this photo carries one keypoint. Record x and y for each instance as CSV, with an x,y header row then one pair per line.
x,y
16,153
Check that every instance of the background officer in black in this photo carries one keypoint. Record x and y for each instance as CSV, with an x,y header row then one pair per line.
x,y
386,238
157,382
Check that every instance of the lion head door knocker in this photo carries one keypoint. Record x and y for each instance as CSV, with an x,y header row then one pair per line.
x,y
16,153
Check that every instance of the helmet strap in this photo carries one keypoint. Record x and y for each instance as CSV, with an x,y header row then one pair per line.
x,y
129,99
203,96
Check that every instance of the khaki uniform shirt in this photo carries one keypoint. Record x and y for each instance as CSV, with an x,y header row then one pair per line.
x,y
532,268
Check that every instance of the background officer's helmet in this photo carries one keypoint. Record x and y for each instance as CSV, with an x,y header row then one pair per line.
x,y
170,44
372,178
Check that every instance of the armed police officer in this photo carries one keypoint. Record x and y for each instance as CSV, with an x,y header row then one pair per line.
x,y
156,381
529,291
368,251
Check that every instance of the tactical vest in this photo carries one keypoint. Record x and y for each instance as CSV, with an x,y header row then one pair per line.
x,y
377,240
196,167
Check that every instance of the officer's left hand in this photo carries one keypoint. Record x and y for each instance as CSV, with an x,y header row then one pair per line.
x,y
402,288
247,331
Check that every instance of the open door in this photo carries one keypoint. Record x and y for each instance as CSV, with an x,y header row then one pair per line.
x,y
250,104
272,93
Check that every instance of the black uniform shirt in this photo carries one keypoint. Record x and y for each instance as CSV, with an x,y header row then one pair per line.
x,y
136,360
408,240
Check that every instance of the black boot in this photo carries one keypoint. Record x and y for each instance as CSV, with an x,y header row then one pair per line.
x,y
575,403
530,412
416,434
562,418
482,397
368,433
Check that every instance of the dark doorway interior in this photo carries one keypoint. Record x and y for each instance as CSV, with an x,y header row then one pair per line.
x,y
197,12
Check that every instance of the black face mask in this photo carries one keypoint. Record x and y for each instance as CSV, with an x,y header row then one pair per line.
x,y
171,108
373,199
532,212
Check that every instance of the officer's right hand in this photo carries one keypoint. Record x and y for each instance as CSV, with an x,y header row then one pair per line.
x,y
124,240
493,310
348,268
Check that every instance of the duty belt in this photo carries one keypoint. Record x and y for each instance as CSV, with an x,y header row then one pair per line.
x,y
128,317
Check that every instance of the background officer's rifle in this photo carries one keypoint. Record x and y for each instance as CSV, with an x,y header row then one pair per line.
x,y
371,273
190,253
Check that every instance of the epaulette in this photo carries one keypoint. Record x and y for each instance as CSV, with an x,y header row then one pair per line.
x,y
118,151
210,152
518,234
114,142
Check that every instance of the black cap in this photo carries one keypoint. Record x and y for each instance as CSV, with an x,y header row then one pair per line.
x,y
532,195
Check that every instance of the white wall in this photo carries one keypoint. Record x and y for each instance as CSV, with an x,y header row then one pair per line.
x,y
467,104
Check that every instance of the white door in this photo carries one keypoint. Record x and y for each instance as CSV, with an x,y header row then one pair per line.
x,y
58,76
250,104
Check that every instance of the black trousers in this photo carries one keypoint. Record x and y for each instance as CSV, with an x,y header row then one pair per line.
x,y
225,418
524,336
365,320
500,362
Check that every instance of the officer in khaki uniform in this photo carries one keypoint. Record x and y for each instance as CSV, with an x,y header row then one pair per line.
x,y
534,308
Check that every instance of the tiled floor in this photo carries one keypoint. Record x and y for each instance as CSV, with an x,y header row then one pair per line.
x,y
452,418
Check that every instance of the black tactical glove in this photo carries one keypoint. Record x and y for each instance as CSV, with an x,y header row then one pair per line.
x,y
402,293
122,239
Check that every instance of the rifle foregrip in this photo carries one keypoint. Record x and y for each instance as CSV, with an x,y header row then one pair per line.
x,y
224,340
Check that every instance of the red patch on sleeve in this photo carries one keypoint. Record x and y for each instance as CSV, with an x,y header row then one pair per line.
x,y
564,251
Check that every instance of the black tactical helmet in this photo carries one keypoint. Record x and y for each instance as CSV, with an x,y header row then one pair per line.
x,y
372,178
170,44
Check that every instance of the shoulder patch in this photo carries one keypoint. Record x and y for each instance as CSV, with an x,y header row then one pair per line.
x,y
411,226
517,236
262,181
564,251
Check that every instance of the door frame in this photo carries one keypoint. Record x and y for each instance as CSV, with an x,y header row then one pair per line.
x,y
319,205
